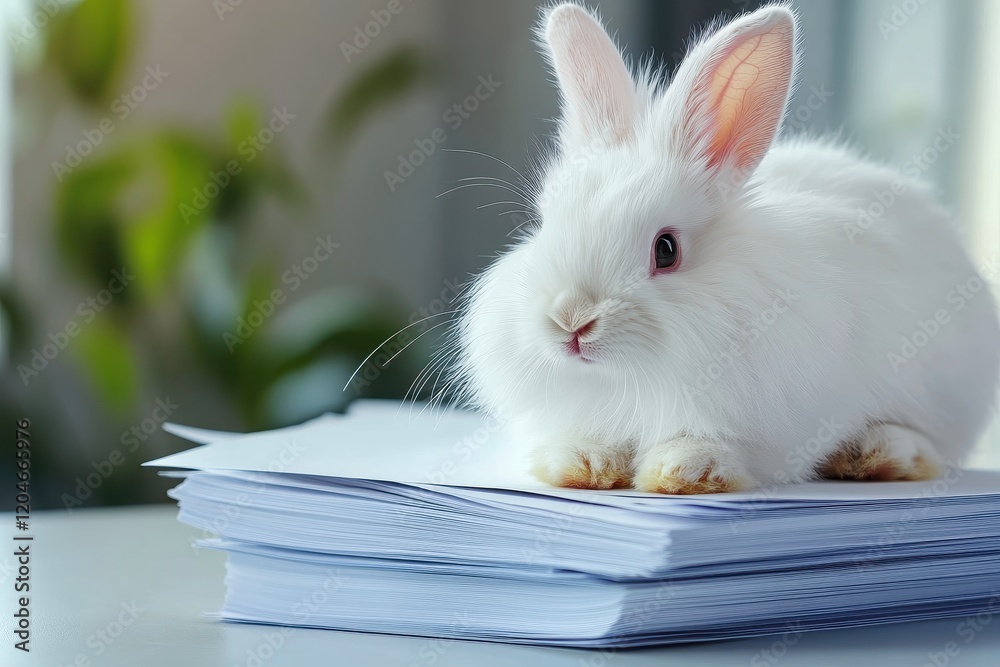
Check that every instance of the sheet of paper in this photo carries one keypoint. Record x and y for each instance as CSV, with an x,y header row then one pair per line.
x,y
381,440
379,443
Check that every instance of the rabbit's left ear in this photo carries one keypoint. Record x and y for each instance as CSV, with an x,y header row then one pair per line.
x,y
598,95
731,91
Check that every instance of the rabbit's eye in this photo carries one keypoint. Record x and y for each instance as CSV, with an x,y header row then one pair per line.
x,y
666,252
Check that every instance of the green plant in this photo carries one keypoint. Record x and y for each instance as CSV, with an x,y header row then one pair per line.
x,y
170,209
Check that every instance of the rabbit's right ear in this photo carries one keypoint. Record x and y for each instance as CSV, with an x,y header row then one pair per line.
x,y
598,95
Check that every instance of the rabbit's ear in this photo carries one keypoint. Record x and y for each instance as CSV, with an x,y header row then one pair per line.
x,y
731,91
598,95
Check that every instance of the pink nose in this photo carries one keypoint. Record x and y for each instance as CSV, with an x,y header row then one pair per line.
x,y
573,345
582,330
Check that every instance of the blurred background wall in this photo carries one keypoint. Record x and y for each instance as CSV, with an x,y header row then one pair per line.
x,y
213,211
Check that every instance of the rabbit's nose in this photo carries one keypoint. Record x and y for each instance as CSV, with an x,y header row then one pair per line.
x,y
573,313
584,328
571,326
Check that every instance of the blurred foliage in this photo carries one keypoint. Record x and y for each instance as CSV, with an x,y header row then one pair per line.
x,y
168,213
399,72
105,352
89,43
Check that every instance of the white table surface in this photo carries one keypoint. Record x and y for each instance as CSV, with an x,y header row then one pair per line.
x,y
88,566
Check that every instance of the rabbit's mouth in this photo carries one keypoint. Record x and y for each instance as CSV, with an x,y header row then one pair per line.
x,y
582,351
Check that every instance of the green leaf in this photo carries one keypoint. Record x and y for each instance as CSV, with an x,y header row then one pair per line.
x,y
175,196
89,43
138,208
244,340
243,120
88,219
387,80
106,353
258,171
213,301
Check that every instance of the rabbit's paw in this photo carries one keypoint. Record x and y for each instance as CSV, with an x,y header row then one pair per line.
x,y
580,464
687,465
886,452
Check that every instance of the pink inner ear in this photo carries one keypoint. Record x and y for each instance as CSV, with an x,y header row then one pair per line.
x,y
745,92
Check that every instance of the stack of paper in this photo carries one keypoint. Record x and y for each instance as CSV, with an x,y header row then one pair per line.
x,y
428,525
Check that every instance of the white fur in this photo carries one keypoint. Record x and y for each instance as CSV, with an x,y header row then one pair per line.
x,y
773,340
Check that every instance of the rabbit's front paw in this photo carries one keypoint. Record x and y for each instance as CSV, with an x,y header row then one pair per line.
x,y
687,465
580,464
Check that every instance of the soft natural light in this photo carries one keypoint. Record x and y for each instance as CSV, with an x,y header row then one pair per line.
x,y
452,332
981,174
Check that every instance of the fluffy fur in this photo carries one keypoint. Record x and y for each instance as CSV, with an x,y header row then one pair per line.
x,y
780,348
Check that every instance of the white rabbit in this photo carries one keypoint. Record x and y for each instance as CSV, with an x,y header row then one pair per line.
x,y
703,308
